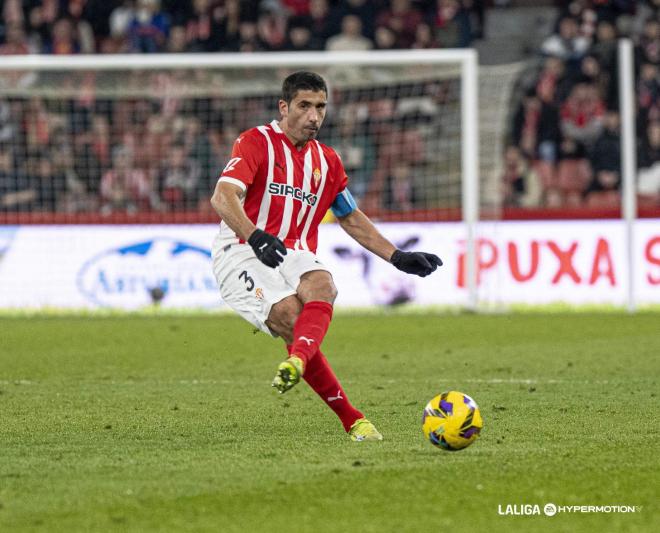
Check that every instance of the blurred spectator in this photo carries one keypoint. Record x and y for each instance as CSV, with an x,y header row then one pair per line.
x,y
355,147
149,28
49,184
384,38
350,38
64,38
567,43
322,26
178,179
97,14
648,45
176,42
648,97
581,122
248,37
16,42
81,27
645,10
91,152
649,147
15,191
537,135
552,83
424,38
203,29
451,24
513,180
399,143
125,188
519,185
527,123
603,190
228,18
476,11
37,125
648,162
38,28
592,73
296,7
299,36
8,126
605,47
120,20
271,26
365,10
573,175
400,193
12,13
200,147
402,18
582,114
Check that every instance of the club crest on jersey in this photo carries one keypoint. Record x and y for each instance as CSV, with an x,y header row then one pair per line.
x,y
317,177
282,189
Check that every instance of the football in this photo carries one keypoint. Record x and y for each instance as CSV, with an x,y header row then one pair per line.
x,y
452,421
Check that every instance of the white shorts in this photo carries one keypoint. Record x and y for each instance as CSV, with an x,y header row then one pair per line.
x,y
251,288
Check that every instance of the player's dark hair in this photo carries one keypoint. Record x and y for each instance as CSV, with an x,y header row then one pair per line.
x,y
302,80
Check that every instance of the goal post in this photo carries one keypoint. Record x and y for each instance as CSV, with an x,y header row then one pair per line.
x,y
437,87
626,82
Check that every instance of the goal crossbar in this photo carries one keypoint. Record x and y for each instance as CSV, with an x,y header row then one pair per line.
x,y
233,60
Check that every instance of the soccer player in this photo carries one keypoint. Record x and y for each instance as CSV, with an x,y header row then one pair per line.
x,y
271,197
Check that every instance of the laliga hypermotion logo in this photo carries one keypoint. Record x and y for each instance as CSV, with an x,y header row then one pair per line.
x,y
129,276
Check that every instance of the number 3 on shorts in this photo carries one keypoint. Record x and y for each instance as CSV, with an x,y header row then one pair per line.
x,y
248,280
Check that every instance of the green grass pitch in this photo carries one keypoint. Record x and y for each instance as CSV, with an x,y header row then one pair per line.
x,y
169,423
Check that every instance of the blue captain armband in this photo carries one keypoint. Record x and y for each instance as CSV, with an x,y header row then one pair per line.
x,y
344,204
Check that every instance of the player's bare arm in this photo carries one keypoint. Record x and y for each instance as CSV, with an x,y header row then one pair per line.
x,y
358,226
226,201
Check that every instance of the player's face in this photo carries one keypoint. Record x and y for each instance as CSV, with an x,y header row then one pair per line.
x,y
303,116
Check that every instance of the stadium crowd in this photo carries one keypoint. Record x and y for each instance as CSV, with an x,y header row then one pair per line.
x,y
161,26
564,145
86,153
93,154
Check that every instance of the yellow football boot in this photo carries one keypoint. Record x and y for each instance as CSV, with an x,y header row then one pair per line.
x,y
288,374
363,430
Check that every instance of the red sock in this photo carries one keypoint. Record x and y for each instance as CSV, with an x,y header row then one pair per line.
x,y
322,379
309,330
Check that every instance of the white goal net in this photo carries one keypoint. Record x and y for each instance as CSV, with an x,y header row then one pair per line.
x,y
142,139
145,136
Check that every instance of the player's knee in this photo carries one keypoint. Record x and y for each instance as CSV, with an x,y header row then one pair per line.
x,y
330,291
317,285
283,316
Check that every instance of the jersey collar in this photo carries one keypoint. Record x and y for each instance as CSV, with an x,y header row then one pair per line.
x,y
276,128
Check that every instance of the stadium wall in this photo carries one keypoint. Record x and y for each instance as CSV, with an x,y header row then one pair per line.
x,y
520,262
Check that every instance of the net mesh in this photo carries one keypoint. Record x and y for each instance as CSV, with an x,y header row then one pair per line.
x,y
132,142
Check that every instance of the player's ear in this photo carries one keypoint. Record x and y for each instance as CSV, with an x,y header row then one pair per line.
x,y
284,108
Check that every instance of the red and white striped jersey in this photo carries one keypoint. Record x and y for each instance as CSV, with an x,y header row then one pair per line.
x,y
288,192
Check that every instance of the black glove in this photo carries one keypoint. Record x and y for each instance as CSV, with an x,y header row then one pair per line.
x,y
419,263
268,248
